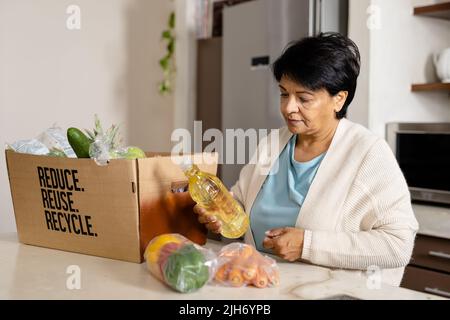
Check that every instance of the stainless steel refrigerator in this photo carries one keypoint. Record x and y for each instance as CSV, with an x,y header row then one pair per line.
x,y
254,35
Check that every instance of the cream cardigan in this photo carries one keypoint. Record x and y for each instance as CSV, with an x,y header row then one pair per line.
x,y
357,213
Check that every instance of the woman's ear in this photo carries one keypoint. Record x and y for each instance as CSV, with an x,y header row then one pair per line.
x,y
339,100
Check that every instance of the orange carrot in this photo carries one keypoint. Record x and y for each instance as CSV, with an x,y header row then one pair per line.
x,y
223,273
247,251
235,278
261,279
250,269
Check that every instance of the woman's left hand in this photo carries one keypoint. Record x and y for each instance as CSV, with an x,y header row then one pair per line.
x,y
286,243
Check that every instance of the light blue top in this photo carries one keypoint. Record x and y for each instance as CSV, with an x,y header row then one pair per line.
x,y
282,194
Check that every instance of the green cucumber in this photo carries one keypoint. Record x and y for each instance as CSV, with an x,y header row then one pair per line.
x,y
79,142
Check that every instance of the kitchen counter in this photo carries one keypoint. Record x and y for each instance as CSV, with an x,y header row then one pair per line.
x,y
28,272
433,220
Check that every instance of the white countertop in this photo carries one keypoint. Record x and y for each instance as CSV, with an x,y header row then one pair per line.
x,y
433,220
28,272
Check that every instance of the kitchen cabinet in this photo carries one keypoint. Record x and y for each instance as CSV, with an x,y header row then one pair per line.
x,y
428,281
429,269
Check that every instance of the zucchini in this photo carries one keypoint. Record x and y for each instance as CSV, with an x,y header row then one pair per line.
x,y
79,142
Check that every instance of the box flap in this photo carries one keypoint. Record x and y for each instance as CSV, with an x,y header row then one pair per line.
x,y
161,210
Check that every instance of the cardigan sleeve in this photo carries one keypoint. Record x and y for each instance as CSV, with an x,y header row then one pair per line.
x,y
380,198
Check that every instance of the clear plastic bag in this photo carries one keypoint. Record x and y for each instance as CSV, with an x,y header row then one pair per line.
x,y
99,150
32,146
56,141
51,142
108,145
180,263
104,144
240,265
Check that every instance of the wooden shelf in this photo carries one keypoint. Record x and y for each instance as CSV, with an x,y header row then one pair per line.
x,y
439,10
431,87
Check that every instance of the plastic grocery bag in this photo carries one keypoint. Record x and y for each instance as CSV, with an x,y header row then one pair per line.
x,y
104,143
56,140
240,264
52,142
31,146
180,263
107,145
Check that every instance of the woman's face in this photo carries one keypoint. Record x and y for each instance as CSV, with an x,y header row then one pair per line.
x,y
308,112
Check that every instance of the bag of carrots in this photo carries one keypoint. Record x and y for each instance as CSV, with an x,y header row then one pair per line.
x,y
240,264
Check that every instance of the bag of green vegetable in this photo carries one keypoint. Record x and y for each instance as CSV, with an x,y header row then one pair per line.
x,y
101,145
180,263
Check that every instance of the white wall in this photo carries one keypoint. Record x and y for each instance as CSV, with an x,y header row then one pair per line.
x,y
186,64
399,54
357,31
49,74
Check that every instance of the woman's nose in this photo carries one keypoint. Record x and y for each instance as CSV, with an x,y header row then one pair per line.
x,y
291,105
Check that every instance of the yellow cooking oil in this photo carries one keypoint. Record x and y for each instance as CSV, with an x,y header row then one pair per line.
x,y
209,192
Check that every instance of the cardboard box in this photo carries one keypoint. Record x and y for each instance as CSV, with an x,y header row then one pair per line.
x,y
110,211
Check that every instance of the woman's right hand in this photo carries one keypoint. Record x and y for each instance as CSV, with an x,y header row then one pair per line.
x,y
207,218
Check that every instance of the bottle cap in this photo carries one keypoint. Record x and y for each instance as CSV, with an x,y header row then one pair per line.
x,y
185,163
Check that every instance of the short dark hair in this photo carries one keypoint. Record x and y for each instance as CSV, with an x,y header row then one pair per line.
x,y
328,61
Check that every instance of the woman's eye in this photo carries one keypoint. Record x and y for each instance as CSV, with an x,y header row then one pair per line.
x,y
284,95
302,100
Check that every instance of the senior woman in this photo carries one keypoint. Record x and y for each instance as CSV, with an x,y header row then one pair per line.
x,y
338,197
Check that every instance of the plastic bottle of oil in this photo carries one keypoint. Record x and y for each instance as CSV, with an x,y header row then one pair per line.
x,y
210,193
